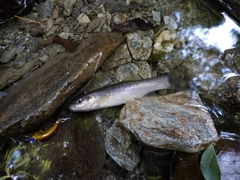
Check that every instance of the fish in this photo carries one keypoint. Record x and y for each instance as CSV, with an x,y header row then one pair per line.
x,y
41,136
119,93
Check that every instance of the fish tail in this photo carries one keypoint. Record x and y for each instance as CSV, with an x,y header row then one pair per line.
x,y
178,81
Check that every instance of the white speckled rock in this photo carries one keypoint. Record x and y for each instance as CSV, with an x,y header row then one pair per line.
x,y
140,45
174,122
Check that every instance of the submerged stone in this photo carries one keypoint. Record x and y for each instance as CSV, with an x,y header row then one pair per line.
x,y
78,143
175,122
34,98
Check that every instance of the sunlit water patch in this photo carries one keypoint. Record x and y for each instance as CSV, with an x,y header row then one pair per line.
x,y
222,37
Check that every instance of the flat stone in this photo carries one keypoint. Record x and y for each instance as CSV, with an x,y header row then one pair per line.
x,y
34,99
175,122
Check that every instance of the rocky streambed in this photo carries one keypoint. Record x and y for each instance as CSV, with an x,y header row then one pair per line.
x,y
73,47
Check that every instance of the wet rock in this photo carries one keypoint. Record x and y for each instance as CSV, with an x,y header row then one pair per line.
x,y
176,122
119,146
140,45
165,42
228,152
8,54
227,89
68,6
79,143
127,72
231,59
51,85
184,162
45,10
170,22
120,57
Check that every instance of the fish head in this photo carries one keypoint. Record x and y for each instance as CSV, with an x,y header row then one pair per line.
x,y
83,103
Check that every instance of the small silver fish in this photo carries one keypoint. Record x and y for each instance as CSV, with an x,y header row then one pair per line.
x,y
119,93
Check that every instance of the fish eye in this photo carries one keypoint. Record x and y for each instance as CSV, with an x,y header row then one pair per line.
x,y
79,101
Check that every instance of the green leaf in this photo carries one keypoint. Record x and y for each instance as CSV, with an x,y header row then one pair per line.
x,y
209,164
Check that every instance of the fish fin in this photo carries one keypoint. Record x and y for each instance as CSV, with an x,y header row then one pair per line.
x,y
154,93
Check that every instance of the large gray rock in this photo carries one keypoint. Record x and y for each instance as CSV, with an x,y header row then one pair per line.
x,y
175,122
34,99
119,146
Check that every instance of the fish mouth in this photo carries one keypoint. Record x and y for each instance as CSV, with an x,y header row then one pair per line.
x,y
72,107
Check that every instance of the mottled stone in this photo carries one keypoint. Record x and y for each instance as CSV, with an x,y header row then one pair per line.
x,y
127,72
175,122
68,6
140,45
45,89
119,146
145,70
165,42
120,57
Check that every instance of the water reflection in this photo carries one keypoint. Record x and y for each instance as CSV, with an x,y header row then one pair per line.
x,y
222,37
